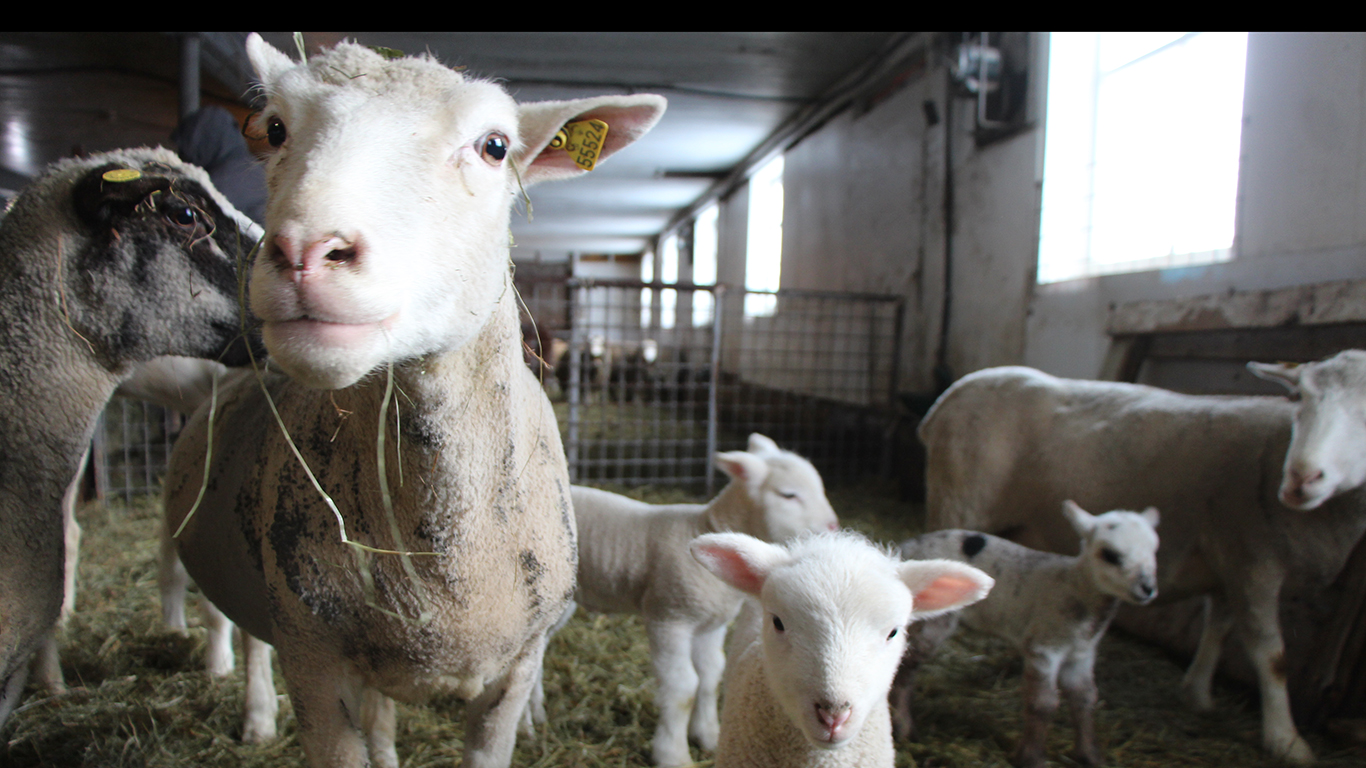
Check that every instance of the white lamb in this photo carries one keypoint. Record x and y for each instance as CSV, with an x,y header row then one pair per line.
x,y
810,687
105,262
1055,609
1005,446
387,301
634,558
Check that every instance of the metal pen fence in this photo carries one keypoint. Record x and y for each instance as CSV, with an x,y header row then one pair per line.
x,y
649,382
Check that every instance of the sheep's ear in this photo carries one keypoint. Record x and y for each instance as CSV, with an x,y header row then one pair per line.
x,y
760,444
741,561
743,466
1083,522
627,117
266,59
1151,515
1285,374
940,586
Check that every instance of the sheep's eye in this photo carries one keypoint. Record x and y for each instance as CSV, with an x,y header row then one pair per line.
x,y
787,494
777,623
495,147
1294,396
1110,556
892,635
275,132
182,215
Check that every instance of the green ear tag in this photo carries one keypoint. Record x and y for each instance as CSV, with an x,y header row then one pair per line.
x,y
584,141
122,174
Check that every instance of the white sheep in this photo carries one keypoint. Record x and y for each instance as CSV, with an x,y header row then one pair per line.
x,y
97,273
1005,446
810,687
634,558
387,301
1053,608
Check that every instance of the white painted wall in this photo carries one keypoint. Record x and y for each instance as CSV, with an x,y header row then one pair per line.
x,y
864,212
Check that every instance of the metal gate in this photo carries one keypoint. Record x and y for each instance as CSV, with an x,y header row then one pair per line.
x,y
649,381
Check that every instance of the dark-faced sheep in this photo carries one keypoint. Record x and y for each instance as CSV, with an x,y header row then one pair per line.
x,y
104,262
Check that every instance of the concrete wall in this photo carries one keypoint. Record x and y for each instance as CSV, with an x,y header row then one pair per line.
x,y
865,193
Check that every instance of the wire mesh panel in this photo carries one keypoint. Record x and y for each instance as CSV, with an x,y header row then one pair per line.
x,y
816,371
134,441
649,382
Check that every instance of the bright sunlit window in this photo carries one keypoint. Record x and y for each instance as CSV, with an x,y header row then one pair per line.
x,y
647,275
764,251
668,275
705,242
1142,139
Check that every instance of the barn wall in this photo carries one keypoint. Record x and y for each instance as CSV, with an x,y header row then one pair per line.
x,y
1301,199
865,211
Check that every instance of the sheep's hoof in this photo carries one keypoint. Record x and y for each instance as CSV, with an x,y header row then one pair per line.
x,y
1296,751
1197,697
1087,758
258,731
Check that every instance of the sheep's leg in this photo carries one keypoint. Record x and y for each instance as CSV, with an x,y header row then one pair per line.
x,y
379,720
1261,631
1077,680
1195,686
491,718
11,689
326,695
534,714
262,705
709,660
218,648
172,581
671,655
1040,702
47,664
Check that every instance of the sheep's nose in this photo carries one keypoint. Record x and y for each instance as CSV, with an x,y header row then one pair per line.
x,y
302,258
834,716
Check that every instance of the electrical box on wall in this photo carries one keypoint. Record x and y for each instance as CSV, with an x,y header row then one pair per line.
x,y
992,69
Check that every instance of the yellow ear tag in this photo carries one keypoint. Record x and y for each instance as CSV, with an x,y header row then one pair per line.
x,y
122,174
584,141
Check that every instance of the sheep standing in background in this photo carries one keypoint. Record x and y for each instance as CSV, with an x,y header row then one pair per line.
x,y
810,687
1005,446
1055,610
100,271
387,301
634,558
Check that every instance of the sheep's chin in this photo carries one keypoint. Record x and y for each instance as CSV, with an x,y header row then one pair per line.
x,y
324,355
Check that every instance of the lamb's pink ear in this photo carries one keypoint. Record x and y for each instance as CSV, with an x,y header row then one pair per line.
x,y
762,444
743,467
741,561
266,59
627,117
1285,374
1151,515
940,586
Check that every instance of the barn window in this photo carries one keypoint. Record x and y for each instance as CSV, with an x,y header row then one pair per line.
x,y
764,250
668,275
1142,139
705,241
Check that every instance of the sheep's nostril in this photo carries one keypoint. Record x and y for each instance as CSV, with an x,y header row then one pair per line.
x,y
342,255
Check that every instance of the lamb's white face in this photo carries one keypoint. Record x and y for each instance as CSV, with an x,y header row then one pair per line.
x,y
388,214
833,636
1327,454
784,487
1121,548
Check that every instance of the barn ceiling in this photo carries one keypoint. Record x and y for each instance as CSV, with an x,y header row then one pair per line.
x,y
733,98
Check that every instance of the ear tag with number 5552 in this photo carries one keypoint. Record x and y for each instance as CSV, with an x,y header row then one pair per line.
x,y
582,140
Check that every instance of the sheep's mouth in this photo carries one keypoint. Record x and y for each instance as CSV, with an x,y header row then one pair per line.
x,y
327,333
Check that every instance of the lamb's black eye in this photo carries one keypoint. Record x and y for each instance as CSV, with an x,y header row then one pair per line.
x,y
1110,556
892,635
777,623
275,132
495,147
